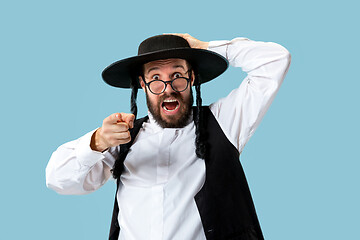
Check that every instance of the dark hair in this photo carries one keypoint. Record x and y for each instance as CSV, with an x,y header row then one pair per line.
x,y
134,92
200,140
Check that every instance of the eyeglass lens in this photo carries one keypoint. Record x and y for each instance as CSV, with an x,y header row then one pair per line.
x,y
178,84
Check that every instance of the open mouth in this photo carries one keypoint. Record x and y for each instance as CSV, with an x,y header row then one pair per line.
x,y
170,105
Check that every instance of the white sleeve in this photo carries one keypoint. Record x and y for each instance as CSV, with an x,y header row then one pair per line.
x,y
266,65
74,168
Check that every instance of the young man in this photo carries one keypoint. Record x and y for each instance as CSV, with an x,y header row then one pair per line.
x,y
178,171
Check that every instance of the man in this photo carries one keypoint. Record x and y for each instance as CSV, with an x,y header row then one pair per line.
x,y
178,171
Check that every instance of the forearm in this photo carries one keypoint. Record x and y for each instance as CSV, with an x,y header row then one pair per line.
x,y
266,65
251,56
76,169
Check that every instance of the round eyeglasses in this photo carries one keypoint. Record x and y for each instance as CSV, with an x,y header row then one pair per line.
x,y
178,84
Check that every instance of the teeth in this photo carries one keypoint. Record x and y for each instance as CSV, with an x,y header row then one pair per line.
x,y
170,100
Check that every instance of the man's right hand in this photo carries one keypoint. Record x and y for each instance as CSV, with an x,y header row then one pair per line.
x,y
113,132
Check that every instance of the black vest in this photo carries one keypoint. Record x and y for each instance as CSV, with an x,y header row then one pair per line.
x,y
224,202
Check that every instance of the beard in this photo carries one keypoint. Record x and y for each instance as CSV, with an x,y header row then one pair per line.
x,y
173,121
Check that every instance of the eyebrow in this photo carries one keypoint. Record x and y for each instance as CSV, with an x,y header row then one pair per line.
x,y
156,68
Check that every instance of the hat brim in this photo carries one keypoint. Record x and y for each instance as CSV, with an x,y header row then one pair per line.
x,y
206,63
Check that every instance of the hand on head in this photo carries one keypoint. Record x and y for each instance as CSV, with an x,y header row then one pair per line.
x,y
113,132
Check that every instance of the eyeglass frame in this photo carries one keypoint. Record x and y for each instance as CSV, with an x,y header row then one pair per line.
x,y
168,82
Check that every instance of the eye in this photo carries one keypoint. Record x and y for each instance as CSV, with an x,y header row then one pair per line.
x,y
177,75
155,77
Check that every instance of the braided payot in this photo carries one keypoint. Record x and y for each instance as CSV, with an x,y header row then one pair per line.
x,y
200,132
134,92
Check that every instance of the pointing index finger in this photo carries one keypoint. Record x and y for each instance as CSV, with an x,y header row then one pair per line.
x,y
124,118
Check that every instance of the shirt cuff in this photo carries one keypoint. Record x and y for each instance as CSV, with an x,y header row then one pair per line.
x,y
85,155
221,46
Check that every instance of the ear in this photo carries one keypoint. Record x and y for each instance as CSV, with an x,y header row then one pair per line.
x,y
142,84
192,77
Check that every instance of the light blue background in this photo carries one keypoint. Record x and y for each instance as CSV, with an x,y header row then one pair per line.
x,y
302,163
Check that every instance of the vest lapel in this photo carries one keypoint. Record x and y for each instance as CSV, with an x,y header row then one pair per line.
x,y
119,166
224,202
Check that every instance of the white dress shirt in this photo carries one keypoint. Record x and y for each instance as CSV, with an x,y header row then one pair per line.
x,y
162,172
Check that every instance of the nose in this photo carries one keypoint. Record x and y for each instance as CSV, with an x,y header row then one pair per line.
x,y
168,88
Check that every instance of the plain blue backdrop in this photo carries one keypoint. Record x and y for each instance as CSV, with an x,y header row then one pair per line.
x,y
302,163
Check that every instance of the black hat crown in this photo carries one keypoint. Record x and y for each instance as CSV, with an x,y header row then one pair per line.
x,y
162,42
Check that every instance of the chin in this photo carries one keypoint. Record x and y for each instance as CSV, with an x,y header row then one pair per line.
x,y
175,121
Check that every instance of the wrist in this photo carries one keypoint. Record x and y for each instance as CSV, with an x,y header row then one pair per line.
x,y
96,144
205,45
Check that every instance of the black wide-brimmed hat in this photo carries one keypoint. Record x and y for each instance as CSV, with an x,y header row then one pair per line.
x,y
206,63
